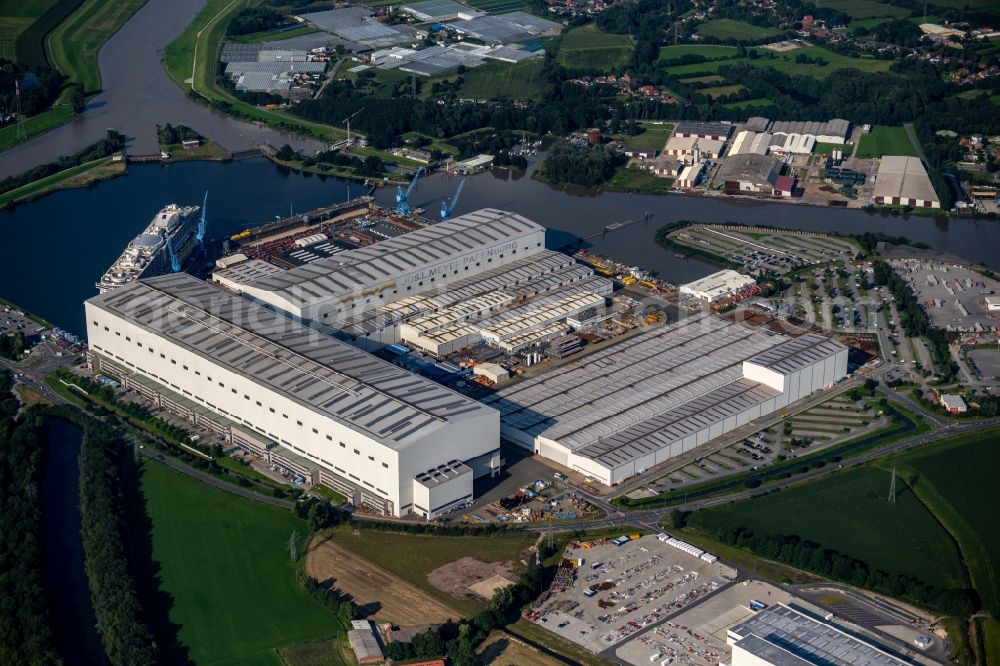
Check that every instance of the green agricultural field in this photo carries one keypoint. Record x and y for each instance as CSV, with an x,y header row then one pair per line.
x,y
653,137
224,561
738,30
719,91
15,17
496,79
425,553
711,78
955,479
975,5
885,141
276,35
587,47
749,103
848,512
74,44
638,181
706,50
865,9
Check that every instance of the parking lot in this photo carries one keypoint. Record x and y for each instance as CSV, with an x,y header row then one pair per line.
x,y
986,362
756,248
953,295
619,591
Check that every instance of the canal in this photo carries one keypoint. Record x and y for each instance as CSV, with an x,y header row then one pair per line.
x,y
75,623
58,246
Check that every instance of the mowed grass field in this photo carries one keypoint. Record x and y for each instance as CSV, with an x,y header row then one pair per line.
x,y
865,9
588,47
15,17
706,50
412,556
785,62
75,43
956,479
885,141
225,562
653,137
849,513
497,79
724,28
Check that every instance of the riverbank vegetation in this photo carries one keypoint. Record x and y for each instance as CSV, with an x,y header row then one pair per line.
x,y
584,165
27,636
112,143
121,622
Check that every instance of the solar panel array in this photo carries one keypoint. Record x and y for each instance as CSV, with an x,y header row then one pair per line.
x,y
325,375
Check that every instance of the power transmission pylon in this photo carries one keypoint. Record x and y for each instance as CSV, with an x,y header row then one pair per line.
x,y
892,487
293,545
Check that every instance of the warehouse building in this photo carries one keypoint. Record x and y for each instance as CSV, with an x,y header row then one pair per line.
x,y
691,175
749,172
832,131
716,286
903,181
751,142
636,404
784,636
714,131
693,147
343,287
293,396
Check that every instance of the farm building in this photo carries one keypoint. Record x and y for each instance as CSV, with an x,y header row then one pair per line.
x,y
717,285
903,181
291,395
749,172
624,409
362,639
716,131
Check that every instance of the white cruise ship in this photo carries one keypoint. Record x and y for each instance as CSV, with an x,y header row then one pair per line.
x,y
172,231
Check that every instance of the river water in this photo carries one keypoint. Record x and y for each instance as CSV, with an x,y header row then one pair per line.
x,y
138,95
58,246
76,633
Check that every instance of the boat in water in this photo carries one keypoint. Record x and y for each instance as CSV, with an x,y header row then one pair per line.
x,y
161,248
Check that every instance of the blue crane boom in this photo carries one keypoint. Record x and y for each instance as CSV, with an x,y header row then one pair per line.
x,y
201,222
447,206
402,198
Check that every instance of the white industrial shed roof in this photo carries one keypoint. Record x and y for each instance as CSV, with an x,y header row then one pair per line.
x,y
797,353
386,260
609,391
330,377
905,178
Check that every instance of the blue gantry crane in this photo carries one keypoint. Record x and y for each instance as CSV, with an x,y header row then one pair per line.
x,y
175,263
402,203
202,224
448,205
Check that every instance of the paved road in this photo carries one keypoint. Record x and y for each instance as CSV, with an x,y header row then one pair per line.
x,y
650,517
138,95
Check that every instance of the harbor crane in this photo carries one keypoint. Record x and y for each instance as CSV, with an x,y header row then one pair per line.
x,y
448,205
402,197
348,120
202,224
175,264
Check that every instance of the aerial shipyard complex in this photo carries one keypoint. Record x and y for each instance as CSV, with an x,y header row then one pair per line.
x,y
340,362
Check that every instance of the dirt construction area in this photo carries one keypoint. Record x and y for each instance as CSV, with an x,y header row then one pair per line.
x,y
468,578
381,595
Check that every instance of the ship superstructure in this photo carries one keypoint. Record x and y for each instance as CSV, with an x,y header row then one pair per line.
x,y
160,248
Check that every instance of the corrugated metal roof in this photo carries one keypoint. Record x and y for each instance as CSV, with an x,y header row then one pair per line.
x,y
797,353
326,375
370,266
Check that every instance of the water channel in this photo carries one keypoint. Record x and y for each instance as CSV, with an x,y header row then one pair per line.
x,y
57,247
76,633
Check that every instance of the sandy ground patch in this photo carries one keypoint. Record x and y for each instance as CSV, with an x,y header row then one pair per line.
x,y
486,588
503,650
457,578
380,594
